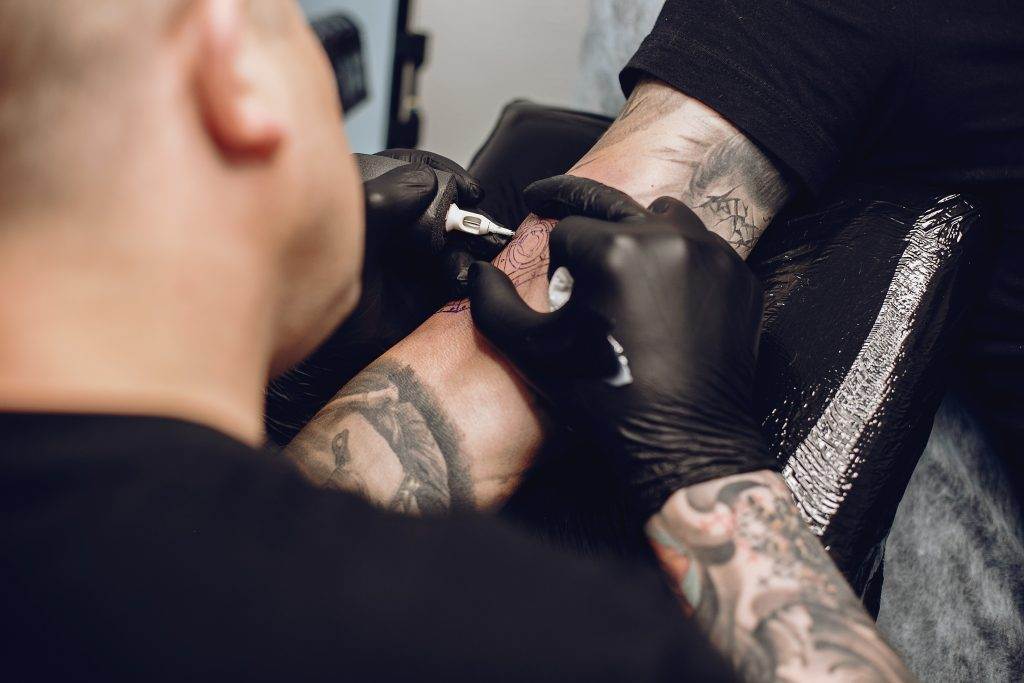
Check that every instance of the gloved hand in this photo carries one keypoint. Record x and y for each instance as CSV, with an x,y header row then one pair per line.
x,y
461,250
686,312
402,286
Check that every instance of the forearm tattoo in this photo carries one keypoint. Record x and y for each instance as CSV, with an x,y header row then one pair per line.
x,y
759,582
736,191
689,152
524,260
386,437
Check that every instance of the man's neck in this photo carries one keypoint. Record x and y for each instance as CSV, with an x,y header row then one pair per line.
x,y
107,321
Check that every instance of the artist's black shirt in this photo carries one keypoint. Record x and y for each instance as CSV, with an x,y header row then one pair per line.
x,y
923,91
150,549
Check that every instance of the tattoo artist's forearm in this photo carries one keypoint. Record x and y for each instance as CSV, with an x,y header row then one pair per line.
x,y
386,437
665,143
744,564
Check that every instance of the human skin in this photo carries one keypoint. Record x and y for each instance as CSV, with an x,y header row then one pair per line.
x,y
746,567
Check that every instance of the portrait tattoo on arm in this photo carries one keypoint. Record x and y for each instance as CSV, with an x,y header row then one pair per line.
x,y
386,437
763,588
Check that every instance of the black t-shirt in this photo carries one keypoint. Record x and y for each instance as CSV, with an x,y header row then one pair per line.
x,y
151,549
926,91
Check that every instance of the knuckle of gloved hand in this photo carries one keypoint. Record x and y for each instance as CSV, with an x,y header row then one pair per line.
x,y
622,252
421,178
661,205
673,247
376,198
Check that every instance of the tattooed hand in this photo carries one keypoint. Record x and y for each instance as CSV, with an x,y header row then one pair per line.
x,y
742,561
387,436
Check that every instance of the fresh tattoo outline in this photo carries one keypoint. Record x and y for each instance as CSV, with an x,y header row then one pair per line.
x,y
524,259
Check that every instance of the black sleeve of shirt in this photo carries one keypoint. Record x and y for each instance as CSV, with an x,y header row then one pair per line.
x,y
801,78
142,549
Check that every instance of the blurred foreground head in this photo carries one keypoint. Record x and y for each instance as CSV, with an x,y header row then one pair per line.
x,y
203,137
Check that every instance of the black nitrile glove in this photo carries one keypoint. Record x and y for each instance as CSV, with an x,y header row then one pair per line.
x,y
402,287
460,250
686,311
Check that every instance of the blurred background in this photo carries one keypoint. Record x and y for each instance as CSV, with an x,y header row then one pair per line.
x,y
474,56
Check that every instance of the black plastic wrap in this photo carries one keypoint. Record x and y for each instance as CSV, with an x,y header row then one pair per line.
x,y
864,301
530,142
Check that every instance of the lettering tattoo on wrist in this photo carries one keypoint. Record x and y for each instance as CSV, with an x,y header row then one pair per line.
x,y
386,437
763,588
736,191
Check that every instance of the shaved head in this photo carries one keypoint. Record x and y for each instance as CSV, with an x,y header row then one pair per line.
x,y
63,42
72,68
63,66
70,39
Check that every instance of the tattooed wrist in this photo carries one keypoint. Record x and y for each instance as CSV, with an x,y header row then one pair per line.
x,y
736,191
766,592
386,437
665,143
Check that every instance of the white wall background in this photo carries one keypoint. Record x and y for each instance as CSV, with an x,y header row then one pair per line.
x,y
484,53
481,55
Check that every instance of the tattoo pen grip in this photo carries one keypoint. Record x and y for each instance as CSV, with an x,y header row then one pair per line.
x,y
430,231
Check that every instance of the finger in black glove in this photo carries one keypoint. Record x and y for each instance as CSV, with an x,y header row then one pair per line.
x,y
461,250
470,192
653,356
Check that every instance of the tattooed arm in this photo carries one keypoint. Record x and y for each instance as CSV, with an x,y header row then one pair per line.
x,y
667,144
664,143
385,437
760,584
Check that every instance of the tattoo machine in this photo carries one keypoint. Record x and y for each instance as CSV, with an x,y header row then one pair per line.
x,y
443,215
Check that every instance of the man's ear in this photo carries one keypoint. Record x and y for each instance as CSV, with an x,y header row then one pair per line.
x,y
239,122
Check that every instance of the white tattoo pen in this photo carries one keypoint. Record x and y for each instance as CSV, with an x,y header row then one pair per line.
x,y
473,223
443,216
